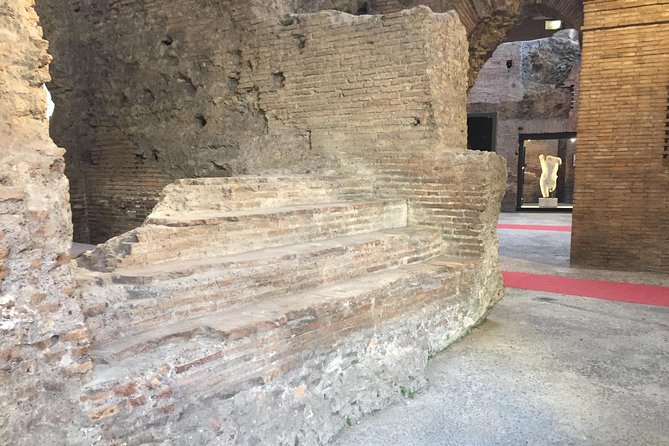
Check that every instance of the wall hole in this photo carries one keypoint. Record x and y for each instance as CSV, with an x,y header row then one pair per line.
x,y
233,84
363,8
287,20
200,120
278,79
416,121
301,41
147,97
167,40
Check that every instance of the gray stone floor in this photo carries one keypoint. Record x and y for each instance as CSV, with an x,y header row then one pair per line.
x,y
545,369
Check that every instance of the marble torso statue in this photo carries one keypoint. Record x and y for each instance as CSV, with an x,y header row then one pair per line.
x,y
549,173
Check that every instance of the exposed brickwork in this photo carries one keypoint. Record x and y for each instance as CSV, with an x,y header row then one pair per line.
x,y
248,310
239,318
363,86
118,102
43,340
621,212
487,22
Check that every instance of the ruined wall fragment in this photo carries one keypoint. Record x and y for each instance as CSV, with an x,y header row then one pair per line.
x,y
145,95
363,86
43,340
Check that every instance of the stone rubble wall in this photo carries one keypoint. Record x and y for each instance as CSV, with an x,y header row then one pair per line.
x,y
43,339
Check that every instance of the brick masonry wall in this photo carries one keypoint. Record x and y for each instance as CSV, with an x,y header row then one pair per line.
x,y
363,86
393,112
258,97
487,22
43,340
148,94
621,209
458,192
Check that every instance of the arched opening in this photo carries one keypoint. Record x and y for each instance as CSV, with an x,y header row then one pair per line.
x,y
530,85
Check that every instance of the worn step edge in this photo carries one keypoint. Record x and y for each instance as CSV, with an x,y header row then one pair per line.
x,y
198,289
256,316
176,269
209,217
142,246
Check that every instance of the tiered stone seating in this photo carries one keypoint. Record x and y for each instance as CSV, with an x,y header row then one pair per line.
x,y
232,284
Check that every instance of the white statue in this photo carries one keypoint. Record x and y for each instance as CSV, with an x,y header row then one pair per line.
x,y
549,174
50,106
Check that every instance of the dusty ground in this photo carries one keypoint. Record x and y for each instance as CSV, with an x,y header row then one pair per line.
x,y
545,369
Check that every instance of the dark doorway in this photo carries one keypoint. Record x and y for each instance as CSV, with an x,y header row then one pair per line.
x,y
481,131
561,145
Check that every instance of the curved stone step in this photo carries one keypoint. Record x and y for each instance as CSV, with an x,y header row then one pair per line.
x,y
231,351
204,234
134,299
249,192
378,329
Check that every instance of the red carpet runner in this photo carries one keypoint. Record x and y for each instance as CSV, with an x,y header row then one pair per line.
x,y
600,289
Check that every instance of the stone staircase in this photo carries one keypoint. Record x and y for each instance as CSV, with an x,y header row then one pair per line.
x,y
236,289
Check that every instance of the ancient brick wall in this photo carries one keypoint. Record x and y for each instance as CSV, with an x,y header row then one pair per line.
x,y
383,96
420,162
146,95
363,86
43,341
487,22
621,209
529,97
219,89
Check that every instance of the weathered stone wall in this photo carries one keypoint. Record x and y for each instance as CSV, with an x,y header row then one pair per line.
x,y
318,372
363,87
201,94
146,95
43,340
287,371
621,212
533,96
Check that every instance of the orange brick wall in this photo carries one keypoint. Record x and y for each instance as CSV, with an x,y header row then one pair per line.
x,y
621,212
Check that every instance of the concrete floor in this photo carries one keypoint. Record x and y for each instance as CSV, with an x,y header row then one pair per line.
x,y
545,369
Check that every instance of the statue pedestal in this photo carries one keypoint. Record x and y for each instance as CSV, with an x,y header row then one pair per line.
x,y
548,202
